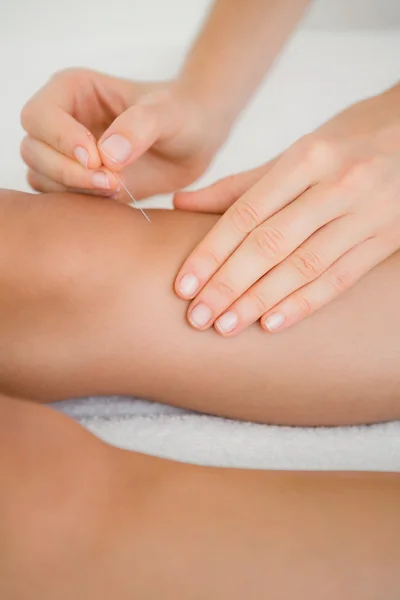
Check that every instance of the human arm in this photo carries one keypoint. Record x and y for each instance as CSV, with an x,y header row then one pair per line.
x,y
300,230
167,132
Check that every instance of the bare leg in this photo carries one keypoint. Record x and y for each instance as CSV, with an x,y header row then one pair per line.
x,y
87,307
79,519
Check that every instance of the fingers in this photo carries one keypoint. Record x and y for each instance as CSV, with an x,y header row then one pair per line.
x,y
305,264
217,198
65,147
47,122
342,275
153,118
287,180
62,170
267,246
41,183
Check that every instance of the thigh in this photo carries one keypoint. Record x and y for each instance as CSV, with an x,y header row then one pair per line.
x,y
116,326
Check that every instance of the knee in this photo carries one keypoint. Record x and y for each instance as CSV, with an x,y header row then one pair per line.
x,y
58,249
56,482
59,274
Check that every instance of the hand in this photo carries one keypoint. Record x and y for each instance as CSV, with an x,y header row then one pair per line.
x,y
83,123
301,230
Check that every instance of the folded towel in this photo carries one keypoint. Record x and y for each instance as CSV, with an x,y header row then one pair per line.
x,y
180,435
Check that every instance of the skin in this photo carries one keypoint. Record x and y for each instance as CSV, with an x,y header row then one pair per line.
x,y
95,521
80,519
99,522
304,228
94,311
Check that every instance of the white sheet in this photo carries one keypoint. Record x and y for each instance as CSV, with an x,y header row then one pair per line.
x,y
177,434
319,74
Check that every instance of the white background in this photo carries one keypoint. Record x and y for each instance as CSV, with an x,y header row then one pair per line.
x,y
52,19
327,64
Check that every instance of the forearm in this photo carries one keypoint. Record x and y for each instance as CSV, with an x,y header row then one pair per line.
x,y
235,49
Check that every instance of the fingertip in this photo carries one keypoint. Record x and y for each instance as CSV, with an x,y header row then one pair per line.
x,y
274,322
115,150
105,180
85,151
196,201
186,285
82,156
182,200
129,136
94,160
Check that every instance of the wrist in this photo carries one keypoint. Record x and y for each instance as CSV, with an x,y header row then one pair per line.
x,y
214,115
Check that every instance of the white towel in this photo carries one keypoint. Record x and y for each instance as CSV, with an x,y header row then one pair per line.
x,y
180,435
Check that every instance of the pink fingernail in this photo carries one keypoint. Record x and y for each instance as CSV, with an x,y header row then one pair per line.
x,y
117,147
200,315
100,180
82,156
188,285
274,321
227,322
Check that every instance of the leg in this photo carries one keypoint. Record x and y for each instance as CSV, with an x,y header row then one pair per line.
x,y
98,522
101,316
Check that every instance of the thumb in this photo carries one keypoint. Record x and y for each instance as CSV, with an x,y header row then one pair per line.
x,y
219,196
153,117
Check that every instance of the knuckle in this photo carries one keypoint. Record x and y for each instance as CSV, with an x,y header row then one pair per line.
x,y
304,306
269,242
259,300
360,174
308,263
223,288
318,151
28,116
145,112
212,259
59,142
24,150
69,74
244,216
341,281
34,181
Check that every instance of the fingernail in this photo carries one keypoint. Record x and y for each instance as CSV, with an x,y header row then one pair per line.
x,y
82,156
100,180
227,322
188,285
117,148
274,321
200,315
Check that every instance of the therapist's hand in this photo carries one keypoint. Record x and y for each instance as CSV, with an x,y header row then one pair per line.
x,y
83,123
301,230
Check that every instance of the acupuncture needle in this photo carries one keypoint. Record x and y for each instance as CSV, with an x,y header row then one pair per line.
x,y
135,202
